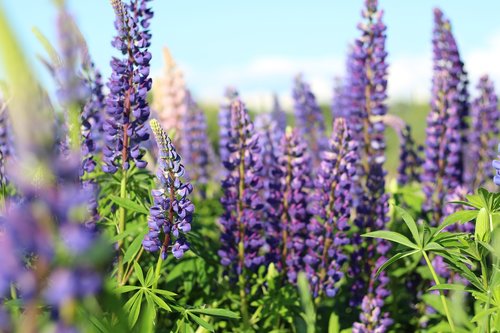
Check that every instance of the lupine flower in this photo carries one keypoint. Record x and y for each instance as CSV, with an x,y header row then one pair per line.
x,y
309,116
170,95
196,149
230,95
127,108
172,212
367,85
340,102
6,144
290,182
409,158
242,239
331,205
446,136
278,114
483,135
270,136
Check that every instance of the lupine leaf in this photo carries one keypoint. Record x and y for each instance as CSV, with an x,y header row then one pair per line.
x,y
460,216
126,289
333,324
138,272
448,286
216,313
161,303
129,205
135,310
133,248
393,237
410,223
393,259
201,322
482,225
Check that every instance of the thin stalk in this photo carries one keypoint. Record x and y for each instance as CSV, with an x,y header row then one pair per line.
x,y
129,270
484,273
122,214
441,292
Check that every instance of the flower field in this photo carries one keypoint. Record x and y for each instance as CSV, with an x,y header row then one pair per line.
x,y
127,205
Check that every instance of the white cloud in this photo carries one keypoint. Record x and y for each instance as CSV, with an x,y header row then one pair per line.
x,y
409,75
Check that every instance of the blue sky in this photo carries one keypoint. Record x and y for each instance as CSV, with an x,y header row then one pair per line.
x,y
259,45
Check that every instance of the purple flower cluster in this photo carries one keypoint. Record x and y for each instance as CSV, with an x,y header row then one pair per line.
x,y
6,144
127,109
309,117
367,94
286,204
230,95
242,228
172,212
196,149
278,114
483,135
331,205
443,167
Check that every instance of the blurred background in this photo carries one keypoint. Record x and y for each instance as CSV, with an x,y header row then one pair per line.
x,y
259,46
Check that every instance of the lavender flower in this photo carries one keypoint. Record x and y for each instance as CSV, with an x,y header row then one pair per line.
x,y
195,146
241,239
483,135
127,108
172,211
444,164
309,116
278,114
331,207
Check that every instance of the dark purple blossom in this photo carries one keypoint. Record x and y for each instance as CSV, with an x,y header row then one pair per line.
x,y
127,109
286,204
331,204
172,212
443,166
242,228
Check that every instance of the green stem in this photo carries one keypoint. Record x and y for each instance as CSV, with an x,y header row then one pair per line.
x,y
441,292
122,213
484,273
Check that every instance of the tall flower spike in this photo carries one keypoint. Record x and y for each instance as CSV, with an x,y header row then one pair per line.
x,y
230,95
278,114
242,239
6,143
444,163
127,109
309,117
269,140
483,136
331,204
195,144
367,87
289,182
172,212
170,95
340,99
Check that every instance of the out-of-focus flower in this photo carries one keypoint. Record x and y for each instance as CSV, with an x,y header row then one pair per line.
x,y
309,117
172,212
278,114
483,135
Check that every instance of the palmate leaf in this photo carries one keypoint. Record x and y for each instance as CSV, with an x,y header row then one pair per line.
x,y
411,224
482,231
393,237
448,286
393,259
138,272
333,324
460,216
133,248
201,322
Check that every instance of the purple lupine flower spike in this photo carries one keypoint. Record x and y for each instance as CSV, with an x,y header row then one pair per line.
x,y
443,167
127,109
340,104
6,143
367,87
242,239
278,114
196,149
224,118
331,204
309,117
172,212
483,136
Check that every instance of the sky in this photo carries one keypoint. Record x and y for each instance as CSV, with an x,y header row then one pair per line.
x,y
260,45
